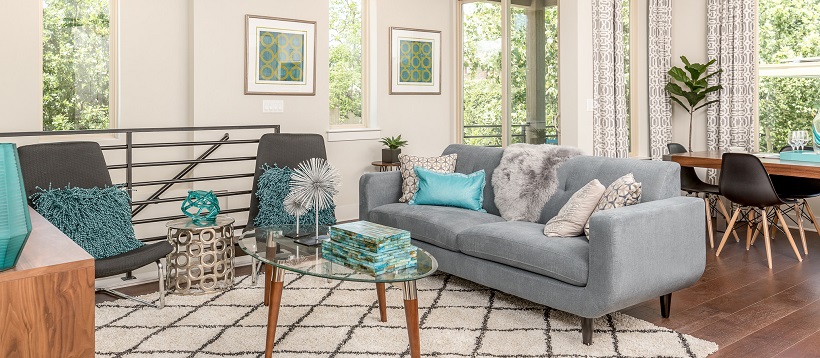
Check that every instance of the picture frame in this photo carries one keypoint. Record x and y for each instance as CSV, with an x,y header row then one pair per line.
x,y
280,56
415,61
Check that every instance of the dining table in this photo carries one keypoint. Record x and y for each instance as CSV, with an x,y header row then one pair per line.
x,y
712,159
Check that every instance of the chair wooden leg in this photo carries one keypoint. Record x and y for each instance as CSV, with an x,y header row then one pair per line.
x,y
709,223
811,215
726,215
749,217
766,237
754,236
798,209
728,230
788,234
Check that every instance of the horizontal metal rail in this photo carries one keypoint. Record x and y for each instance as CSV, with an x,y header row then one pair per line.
x,y
275,127
192,180
174,217
181,162
181,198
180,144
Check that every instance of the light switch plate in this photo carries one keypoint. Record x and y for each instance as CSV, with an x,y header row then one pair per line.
x,y
273,106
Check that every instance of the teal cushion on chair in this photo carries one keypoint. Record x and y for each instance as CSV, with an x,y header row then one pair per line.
x,y
273,186
449,189
97,219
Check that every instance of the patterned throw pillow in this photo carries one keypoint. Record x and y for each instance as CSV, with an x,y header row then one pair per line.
x,y
573,216
624,191
409,181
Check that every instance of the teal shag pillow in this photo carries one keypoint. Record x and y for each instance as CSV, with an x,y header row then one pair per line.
x,y
273,186
97,219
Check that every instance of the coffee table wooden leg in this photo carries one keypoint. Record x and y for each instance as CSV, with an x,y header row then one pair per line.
x,y
275,282
411,312
267,283
380,291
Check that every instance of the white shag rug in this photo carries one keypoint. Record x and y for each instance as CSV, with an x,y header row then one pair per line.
x,y
341,319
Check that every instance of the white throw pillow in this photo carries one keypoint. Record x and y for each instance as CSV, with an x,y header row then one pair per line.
x,y
624,191
573,216
409,181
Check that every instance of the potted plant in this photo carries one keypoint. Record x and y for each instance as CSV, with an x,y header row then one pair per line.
x,y
393,144
697,88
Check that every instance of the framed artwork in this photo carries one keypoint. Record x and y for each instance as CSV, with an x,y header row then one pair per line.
x,y
415,61
280,56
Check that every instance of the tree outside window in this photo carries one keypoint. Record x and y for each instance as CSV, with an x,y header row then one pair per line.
x,y
76,66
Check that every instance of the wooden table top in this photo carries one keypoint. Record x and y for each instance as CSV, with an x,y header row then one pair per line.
x,y
385,164
775,166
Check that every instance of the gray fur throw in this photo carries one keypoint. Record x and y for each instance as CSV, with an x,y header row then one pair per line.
x,y
527,178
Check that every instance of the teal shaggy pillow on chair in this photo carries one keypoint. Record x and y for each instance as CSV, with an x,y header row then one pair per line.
x,y
273,186
97,219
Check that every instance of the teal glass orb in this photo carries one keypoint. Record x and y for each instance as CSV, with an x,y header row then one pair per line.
x,y
201,206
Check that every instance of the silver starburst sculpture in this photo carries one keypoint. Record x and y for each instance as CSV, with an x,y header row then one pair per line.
x,y
314,183
297,208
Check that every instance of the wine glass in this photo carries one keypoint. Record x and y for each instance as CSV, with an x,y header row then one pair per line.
x,y
803,137
792,140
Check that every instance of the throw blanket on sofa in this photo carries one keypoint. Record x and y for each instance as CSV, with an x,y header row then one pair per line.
x,y
526,179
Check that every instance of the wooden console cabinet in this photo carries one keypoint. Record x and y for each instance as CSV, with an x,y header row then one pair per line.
x,y
47,300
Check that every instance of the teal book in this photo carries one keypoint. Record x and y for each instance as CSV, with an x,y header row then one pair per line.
x,y
15,223
370,236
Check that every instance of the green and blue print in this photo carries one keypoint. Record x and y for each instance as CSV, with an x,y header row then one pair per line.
x,y
415,61
281,56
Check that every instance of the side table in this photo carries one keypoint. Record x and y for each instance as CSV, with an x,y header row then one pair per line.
x,y
202,259
386,167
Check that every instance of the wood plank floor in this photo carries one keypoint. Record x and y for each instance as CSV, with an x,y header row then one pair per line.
x,y
739,303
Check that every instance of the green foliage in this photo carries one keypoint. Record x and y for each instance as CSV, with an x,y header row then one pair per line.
x,y
695,81
482,106
393,142
346,61
788,29
75,64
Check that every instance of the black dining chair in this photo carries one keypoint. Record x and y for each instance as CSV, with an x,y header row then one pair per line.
x,y
82,164
284,150
692,185
744,180
800,190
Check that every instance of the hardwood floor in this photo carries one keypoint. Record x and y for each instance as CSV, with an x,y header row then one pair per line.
x,y
747,309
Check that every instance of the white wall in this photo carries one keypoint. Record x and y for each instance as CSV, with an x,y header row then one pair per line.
x,y
688,39
21,79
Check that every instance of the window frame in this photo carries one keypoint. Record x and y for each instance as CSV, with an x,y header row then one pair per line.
x,y
367,12
113,65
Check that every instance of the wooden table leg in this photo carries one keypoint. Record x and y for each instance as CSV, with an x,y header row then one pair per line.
x,y
380,291
267,283
411,312
276,283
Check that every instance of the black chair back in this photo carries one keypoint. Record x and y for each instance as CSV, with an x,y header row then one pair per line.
x,y
79,164
284,150
744,180
688,177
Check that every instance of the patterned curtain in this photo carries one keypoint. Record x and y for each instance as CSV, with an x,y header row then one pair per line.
x,y
731,39
610,128
660,60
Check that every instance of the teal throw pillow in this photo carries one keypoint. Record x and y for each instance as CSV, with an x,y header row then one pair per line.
x,y
97,219
273,186
449,189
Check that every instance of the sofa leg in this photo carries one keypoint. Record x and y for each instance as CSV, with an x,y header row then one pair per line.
x,y
666,305
586,330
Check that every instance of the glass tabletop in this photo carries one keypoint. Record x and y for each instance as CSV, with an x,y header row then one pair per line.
x,y
271,246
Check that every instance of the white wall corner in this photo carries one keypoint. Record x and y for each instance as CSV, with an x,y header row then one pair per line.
x,y
353,134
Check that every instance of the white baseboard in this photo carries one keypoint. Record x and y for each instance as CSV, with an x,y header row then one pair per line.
x,y
148,274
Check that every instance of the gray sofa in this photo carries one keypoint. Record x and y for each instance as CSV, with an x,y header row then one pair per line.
x,y
637,252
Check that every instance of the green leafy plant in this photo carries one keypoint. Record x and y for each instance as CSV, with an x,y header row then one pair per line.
x,y
694,77
393,142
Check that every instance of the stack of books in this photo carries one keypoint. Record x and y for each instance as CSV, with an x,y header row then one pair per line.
x,y
369,247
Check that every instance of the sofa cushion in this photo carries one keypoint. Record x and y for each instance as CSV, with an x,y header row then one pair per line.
x,y
435,225
523,245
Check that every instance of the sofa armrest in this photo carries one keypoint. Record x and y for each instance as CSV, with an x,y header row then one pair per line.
x,y
377,189
646,250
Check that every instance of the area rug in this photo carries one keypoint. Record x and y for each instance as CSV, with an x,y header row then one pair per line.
x,y
321,318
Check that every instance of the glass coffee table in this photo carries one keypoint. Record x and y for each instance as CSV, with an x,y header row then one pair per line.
x,y
280,254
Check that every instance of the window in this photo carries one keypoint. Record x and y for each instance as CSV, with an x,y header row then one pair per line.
x,y
77,64
509,79
346,63
789,70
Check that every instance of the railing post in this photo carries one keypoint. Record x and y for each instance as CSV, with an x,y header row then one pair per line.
x,y
129,163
